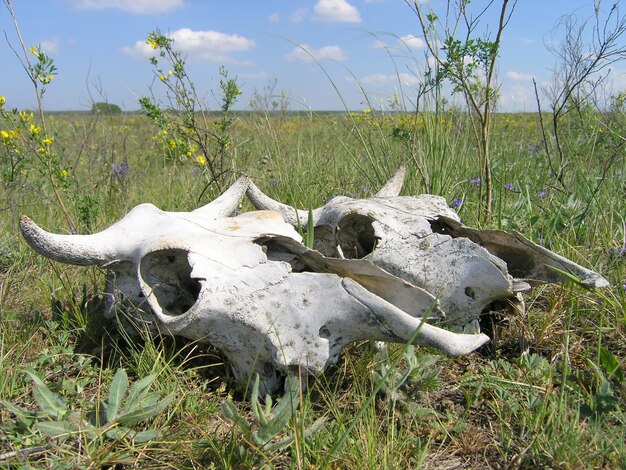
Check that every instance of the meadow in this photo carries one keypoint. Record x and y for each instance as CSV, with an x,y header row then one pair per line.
x,y
547,392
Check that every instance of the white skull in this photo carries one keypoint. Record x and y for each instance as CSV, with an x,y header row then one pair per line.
x,y
421,240
247,286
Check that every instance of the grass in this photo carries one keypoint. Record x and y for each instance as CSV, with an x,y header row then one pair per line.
x,y
548,391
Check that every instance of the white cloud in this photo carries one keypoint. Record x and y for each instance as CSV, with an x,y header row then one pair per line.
x,y
299,15
381,79
274,18
517,76
305,53
210,46
413,41
137,7
336,10
51,46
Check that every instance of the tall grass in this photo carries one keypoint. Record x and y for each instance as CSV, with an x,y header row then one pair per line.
x,y
548,392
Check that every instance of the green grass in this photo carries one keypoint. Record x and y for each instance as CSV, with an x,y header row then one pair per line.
x,y
548,391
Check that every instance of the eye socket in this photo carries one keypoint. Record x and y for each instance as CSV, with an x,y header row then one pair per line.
x,y
168,274
355,235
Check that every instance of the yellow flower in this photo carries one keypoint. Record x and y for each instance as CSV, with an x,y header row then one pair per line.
x,y
162,78
23,116
2,101
63,173
33,51
4,135
172,144
170,73
34,130
189,154
201,160
47,141
152,43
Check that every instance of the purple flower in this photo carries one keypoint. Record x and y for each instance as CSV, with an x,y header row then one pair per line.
x,y
120,169
508,186
541,194
457,203
474,182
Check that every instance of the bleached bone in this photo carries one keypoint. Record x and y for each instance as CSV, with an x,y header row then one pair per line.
x,y
247,286
421,240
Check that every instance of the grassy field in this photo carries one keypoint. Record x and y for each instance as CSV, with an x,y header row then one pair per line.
x,y
547,392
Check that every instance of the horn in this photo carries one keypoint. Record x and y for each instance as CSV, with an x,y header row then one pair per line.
x,y
404,326
289,213
225,205
394,185
72,249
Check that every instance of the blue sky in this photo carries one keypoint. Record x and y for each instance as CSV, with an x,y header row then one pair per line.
x,y
100,52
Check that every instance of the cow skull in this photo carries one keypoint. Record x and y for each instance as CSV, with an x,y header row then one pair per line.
x,y
247,286
421,240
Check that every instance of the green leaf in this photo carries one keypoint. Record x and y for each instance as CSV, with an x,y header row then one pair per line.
x,y
611,365
145,412
116,394
49,402
22,414
230,412
138,389
310,230
258,411
56,428
145,436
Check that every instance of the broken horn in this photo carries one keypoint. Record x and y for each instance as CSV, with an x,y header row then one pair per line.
x,y
72,249
225,204
393,187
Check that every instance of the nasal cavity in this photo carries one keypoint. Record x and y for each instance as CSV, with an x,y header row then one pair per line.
x,y
355,235
168,275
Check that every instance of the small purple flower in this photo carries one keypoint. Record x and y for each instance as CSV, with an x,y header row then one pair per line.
x,y
120,169
508,186
474,182
534,149
541,194
457,203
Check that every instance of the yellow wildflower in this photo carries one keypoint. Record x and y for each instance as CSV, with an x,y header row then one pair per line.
x,y
162,78
170,73
47,141
25,117
152,43
2,101
201,160
189,154
172,144
34,130
4,135
63,173
33,51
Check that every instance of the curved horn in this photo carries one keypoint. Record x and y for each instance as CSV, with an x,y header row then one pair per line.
x,y
225,205
72,249
394,185
290,214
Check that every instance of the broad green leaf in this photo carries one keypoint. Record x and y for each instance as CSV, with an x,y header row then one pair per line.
x,y
145,436
119,385
230,411
22,414
611,365
49,402
138,389
141,414
56,428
